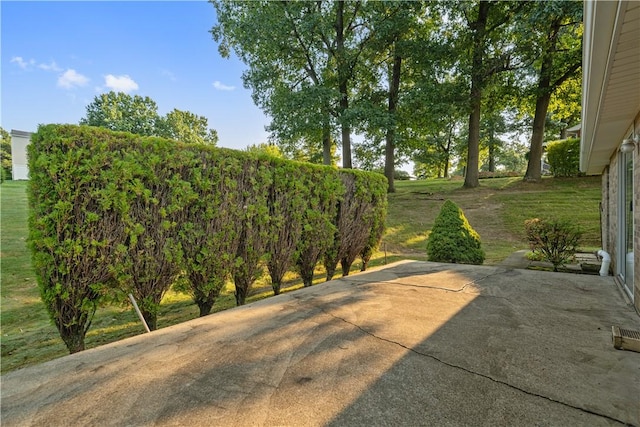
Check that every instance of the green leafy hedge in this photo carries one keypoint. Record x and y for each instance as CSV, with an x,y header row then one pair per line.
x,y
564,157
358,221
114,213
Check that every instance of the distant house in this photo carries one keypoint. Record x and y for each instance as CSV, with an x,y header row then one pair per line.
x,y
574,131
19,142
611,129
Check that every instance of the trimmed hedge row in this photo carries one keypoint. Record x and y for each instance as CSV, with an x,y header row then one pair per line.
x,y
564,157
113,213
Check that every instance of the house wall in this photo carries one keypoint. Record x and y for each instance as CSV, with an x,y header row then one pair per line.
x,y
606,226
19,142
610,212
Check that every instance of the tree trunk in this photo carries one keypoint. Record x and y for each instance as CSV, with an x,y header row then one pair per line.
x,y
151,319
342,86
241,293
276,288
346,135
390,147
205,306
492,153
471,178
447,152
331,271
307,278
203,300
534,167
242,280
346,266
326,144
73,337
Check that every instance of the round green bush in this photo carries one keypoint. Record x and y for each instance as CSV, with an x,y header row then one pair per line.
x,y
564,157
452,238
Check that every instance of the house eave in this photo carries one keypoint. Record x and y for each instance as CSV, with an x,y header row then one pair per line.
x,y
611,83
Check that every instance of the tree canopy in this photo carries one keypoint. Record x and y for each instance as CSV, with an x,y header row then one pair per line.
x,y
446,84
139,115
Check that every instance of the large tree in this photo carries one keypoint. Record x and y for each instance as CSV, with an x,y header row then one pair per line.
x,y
122,112
555,33
303,73
136,114
384,77
287,71
185,126
490,51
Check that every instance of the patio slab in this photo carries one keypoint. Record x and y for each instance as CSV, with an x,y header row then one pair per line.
x,y
415,343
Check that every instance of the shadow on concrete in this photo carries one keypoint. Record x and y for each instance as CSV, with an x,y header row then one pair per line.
x,y
415,343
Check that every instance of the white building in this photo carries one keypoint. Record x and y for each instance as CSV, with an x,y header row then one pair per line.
x,y
19,165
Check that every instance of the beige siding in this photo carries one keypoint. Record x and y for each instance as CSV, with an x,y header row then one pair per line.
x,y
636,223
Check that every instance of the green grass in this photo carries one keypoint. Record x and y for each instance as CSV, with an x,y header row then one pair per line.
x,y
496,210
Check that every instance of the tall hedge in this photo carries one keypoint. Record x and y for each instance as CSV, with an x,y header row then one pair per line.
x,y
358,220
115,212
564,157
75,225
254,184
376,219
287,197
320,211
209,233
156,194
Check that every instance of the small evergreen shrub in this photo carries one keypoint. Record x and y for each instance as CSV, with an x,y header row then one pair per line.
x,y
452,238
564,157
556,240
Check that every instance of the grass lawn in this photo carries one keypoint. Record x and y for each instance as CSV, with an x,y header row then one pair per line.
x,y
497,211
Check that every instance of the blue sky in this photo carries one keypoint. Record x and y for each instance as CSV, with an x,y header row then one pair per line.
x,y
57,56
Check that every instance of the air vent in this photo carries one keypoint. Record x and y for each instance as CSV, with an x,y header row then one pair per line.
x,y
625,339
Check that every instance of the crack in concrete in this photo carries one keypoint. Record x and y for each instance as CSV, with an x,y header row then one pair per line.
x,y
413,285
479,374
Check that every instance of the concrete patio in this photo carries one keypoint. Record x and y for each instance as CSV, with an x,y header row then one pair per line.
x,y
415,343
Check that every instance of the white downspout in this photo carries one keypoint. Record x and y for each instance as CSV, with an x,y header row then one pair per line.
x,y
606,261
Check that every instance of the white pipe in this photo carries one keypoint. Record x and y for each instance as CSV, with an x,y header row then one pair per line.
x,y
135,305
606,261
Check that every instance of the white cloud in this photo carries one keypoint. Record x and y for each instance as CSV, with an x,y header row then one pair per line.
x,y
120,83
21,62
221,86
52,66
71,78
